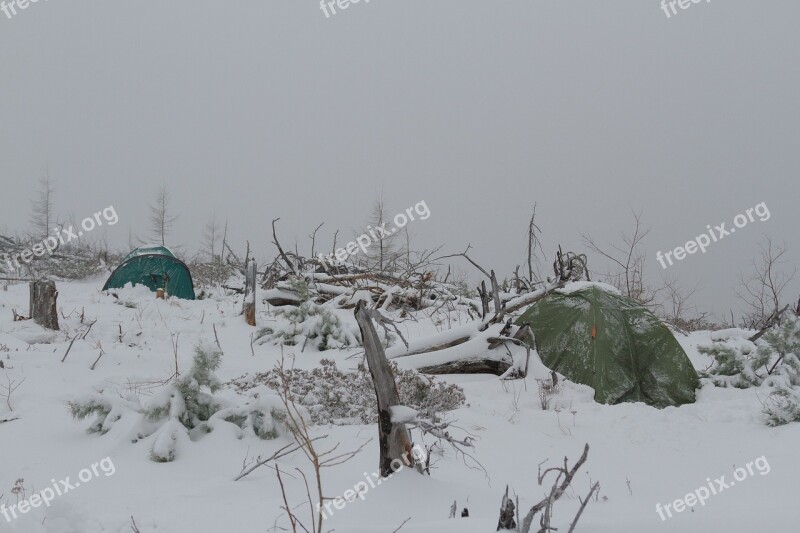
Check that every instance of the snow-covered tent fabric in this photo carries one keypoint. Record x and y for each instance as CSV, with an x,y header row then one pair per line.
x,y
155,267
611,343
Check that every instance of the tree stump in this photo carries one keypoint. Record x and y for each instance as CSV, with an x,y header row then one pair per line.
x,y
43,304
249,304
507,510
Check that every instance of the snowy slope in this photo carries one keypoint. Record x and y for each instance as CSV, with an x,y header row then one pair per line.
x,y
664,454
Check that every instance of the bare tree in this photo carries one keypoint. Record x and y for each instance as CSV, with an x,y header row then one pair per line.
x,y
161,219
211,235
384,251
675,308
676,300
629,260
762,290
42,208
131,240
224,241
534,244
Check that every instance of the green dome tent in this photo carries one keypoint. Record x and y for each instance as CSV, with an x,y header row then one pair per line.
x,y
613,344
155,267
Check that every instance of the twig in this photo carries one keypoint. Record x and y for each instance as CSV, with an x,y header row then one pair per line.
x,y
595,488
280,250
277,455
70,347
401,525
216,338
98,358
175,353
559,486
465,256
88,329
10,388
288,509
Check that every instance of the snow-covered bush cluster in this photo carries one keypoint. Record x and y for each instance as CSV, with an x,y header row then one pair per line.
x,y
335,397
737,363
209,274
186,408
307,325
771,363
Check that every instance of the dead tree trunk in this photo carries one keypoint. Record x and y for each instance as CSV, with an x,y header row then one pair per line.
x,y
394,439
495,293
249,303
483,293
43,303
507,513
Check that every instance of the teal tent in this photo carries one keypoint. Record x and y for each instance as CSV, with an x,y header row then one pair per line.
x,y
155,267
611,343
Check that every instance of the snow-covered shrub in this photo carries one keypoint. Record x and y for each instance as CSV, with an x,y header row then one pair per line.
x,y
207,274
335,397
299,286
743,364
309,324
548,391
739,365
185,409
107,410
771,363
782,406
782,343
187,402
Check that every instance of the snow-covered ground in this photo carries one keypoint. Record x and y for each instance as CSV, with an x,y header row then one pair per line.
x,y
640,455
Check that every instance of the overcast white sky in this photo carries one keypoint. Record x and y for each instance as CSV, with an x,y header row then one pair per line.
x,y
265,109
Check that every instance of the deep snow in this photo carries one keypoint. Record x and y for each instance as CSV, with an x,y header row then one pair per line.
x,y
664,454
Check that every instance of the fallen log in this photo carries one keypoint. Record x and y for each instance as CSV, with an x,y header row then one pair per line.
x,y
525,300
437,347
470,357
482,366
280,297
446,339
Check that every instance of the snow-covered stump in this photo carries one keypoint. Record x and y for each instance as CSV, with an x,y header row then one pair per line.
x,y
249,304
394,439
43,303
